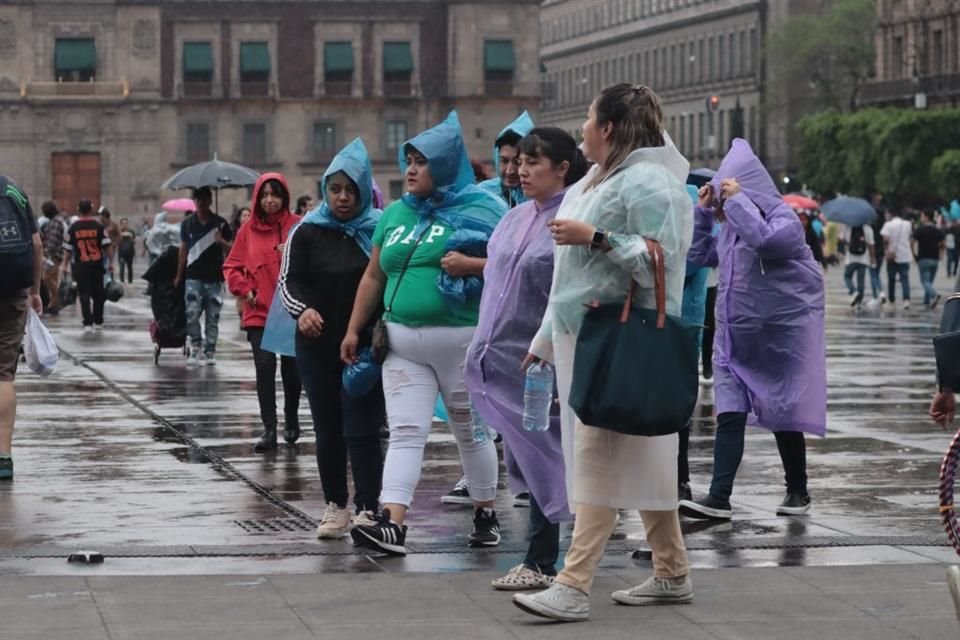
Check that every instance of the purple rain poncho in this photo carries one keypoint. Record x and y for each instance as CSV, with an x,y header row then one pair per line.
x,y
769,351
516,289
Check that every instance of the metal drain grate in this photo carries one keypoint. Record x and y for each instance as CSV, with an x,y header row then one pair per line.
x,y
275,525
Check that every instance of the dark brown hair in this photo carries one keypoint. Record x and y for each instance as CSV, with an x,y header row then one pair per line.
x,y
637,118
558,146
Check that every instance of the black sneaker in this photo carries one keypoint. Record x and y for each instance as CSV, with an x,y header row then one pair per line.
x,y
383,536
794,504
486,529
458,495
6,468
708,508
684,492
521,500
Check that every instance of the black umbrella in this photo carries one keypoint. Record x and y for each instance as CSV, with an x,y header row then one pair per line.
x,y
701,176
215,174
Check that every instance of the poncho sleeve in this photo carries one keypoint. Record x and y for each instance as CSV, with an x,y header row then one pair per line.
x,y
777,237
542,344
703,251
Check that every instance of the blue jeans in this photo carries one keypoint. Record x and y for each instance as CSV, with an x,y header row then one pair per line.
x,y
876,285
953,259
895,269
728,452
860,270
206,298
928,273
544,536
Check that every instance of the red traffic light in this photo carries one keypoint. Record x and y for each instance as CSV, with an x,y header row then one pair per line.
x,y
713,103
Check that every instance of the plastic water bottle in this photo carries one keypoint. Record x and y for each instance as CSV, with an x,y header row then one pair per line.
x,y
537,397
480,432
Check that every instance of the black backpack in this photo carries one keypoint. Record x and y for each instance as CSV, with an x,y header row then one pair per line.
x,y
16,239
858,242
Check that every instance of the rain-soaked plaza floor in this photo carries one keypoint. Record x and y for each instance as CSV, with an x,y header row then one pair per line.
x,y
154,467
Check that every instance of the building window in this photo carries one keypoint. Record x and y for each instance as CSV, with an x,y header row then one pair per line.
x,y
254,68
754,51
731,67
337,68
701,61
324,140
936,67
254,143
896,58
75,60
742,65
499,64
397,68
711,61
396,134
197,69
702,123
722,142
197,142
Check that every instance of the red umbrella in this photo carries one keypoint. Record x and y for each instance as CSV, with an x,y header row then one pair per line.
x,y
798,201
179,204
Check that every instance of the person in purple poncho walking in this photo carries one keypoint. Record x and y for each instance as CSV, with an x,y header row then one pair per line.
x,y
769,353
517,279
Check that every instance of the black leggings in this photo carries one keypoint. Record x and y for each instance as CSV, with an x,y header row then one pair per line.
x,y
709,323
126,265
265,363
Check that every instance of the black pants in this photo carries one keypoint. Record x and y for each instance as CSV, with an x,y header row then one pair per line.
x,y
343,426
265,363
92,295
709,323
544,536
683,456
126,264
728,451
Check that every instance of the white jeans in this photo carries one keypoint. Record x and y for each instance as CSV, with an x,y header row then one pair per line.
x,y
421,362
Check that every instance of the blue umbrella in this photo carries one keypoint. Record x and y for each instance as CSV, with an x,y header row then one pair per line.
x,y
701,176
852,212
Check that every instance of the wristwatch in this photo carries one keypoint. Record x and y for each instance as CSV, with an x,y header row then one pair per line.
x,y
599,237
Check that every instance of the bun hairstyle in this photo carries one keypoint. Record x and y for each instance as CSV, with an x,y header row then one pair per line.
x,y
558,146
637,118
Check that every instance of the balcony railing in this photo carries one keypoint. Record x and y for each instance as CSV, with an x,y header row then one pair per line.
x,y
257,89
93,89
498,88
196,90
399,89
337,88
939,86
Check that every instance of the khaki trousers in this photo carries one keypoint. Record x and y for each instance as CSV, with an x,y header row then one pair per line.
x,y
51,279
592,529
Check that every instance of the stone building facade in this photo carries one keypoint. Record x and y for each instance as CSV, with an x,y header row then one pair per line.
x,y
107,98
918,54
703,57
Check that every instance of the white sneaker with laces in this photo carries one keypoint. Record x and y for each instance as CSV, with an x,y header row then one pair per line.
x,y
656,590
906,305
522,578
559,602
365,519
335,523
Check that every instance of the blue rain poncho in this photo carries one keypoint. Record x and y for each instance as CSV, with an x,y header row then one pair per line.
x,y
494,186
456,202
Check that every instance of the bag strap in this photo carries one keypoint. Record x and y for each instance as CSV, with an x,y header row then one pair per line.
x,y
659,285
406,263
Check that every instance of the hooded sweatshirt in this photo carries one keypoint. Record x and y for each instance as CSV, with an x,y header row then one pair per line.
x,y
254,260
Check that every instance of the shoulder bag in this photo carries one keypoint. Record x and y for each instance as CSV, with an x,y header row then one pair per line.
x,y
635,370
380,344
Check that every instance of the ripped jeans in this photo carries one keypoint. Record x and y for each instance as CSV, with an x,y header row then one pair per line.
x,y
421,362
206,298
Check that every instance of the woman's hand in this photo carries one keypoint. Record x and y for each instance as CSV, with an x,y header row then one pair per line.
x,y
729,188
528,360
349,347
706,196
571,232
310,323
457,264
252,296
943,408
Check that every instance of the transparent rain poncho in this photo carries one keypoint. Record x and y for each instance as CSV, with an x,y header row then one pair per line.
x,y
643,198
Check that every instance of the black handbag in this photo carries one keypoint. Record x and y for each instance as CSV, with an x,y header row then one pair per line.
x,y
380,345
635,370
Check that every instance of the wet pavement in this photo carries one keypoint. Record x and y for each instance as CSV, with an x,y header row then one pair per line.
x,y
154,467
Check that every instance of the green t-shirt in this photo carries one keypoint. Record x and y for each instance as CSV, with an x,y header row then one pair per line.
x,y
418,303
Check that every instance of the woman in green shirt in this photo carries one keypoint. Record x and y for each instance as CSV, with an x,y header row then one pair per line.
x,y
430,287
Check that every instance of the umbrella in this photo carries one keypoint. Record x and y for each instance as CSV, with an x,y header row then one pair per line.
x,y
701,176
798,201
215,174
852,212
179,204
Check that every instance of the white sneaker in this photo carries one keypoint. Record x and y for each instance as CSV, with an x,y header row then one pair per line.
x,y
87,328
365,519
559,602
210,360
656,590
98,328
953,581
193,359
335,522
906,305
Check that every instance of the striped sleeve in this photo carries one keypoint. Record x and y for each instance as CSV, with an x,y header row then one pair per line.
x,y
292,304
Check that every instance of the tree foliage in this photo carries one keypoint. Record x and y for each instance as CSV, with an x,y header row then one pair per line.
x,y
827,56
909,155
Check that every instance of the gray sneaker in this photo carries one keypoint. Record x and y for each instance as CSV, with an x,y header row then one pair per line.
x,y
559,602
657,591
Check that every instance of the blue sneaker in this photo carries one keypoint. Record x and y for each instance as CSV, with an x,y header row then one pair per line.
x,y
6,468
